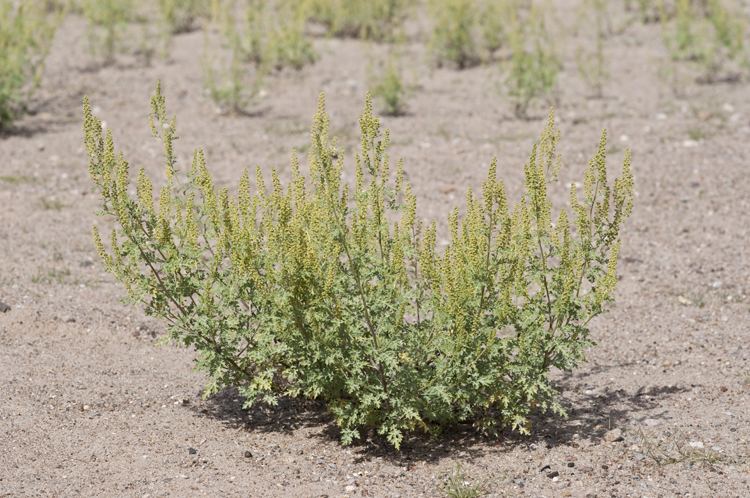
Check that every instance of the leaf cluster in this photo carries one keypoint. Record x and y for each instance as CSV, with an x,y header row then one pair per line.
x,y
322,289
26,32
709,33
466,32
106,24
534,65
366,19
390,87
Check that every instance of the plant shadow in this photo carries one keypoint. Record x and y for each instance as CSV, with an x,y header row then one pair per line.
x,y
590,416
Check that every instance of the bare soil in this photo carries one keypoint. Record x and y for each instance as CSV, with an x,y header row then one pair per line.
x,y
91,405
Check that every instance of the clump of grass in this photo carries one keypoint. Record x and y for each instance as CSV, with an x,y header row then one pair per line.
x,y
458,486
52,276
676,449
52,204
26,33
17,179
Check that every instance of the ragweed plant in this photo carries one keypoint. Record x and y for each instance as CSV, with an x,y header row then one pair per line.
x,y
26,32
390,88
336,291
710,35
592,64
534,66
454,33
367,19
179,16
271,36
493,21
229,83
106,20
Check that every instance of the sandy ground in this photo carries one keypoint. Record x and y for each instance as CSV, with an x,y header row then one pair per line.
x,y
91,405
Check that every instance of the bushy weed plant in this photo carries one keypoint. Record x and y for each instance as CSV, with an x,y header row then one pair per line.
x,y
534,66
107,20
493,21
390,87
454,32
26,32
590,58
367,19
708,33
230,84
272,35
339,292
179,16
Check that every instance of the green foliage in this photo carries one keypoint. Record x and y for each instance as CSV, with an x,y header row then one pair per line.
x,y
592,64
533,66
326,290
709,34
493,22
229,83
26,32
456,486
107,20
454,32
390,88
367,19
272,35
179,16
729,30
648,10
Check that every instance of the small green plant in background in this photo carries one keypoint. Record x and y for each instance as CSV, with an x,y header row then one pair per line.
x,y
534,66
26,33
271,36
377,20
179,16
457,486
230,84
592,64
338,292
648,11
728,25
454,37
494,16
390,88
107,20
710,35
288,45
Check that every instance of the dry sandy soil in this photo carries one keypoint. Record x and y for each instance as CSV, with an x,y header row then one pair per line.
x,y
90,404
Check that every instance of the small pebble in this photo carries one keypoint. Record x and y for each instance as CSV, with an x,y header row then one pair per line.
x,y
613,436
